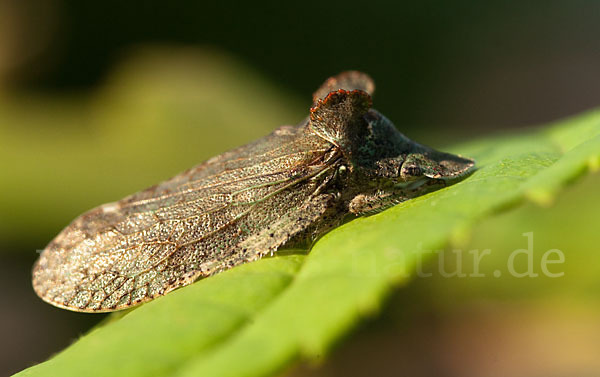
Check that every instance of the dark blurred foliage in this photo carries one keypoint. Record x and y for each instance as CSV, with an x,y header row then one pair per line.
x,y
474,64
444,71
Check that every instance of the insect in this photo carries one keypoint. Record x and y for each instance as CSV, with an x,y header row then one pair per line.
x,y
285,189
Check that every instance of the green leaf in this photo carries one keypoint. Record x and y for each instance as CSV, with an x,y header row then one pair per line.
x,y
256,319
570,226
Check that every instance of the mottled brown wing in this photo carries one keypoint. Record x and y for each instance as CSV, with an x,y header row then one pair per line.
x,y
233,208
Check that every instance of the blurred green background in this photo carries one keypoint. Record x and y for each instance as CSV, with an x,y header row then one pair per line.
x,y
101,99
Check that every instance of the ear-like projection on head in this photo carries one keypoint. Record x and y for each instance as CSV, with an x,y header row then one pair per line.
x,y
340,118
339,108
350,80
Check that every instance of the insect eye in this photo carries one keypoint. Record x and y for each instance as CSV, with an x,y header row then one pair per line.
x,y
413,170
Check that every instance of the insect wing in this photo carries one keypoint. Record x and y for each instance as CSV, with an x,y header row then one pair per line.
x,y
195,224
